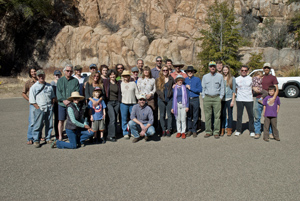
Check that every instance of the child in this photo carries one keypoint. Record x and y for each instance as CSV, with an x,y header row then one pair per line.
x,y
180,106
257,82
271,112
97,115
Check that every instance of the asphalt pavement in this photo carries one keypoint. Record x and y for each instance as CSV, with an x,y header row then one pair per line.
x,y
231,168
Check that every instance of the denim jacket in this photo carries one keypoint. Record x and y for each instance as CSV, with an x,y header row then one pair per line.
x,y
228,90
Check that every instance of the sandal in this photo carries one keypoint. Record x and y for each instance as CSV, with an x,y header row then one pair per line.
x,y
29,142
42,139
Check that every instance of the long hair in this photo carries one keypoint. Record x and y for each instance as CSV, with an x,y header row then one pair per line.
x,y
91,80
146,68
116,69
161,79
103,66
29,70
229,76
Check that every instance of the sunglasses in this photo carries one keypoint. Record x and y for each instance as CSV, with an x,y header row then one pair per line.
x,y
212,66
136,72
69,71
244,70
142,100
158,60
165,70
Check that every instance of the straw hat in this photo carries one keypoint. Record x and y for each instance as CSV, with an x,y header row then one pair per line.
x,y
75,94
126,72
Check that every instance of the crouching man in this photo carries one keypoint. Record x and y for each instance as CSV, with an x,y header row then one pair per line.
x,y
141,120
41,96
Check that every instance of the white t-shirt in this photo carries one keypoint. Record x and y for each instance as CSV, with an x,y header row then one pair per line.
x,y
244,89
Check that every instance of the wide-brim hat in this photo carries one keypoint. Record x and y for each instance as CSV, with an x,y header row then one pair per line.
x,y
125,72
179,77
75,94
178,65
191,68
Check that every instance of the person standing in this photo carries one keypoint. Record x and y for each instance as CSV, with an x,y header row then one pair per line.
x,y
268,80
140,66
135,74
103,71
156,69
194,88
244,98
93,68
164,91
65,86
129,94
141,120
25,91
57,75
219,66
77,75
213,92
112,93
42,97
119,69
228,100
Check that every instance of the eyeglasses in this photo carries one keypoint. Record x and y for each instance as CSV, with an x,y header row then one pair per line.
x,y
244,70
69,71
158,60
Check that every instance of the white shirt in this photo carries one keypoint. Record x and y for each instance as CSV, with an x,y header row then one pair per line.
x,y
244,89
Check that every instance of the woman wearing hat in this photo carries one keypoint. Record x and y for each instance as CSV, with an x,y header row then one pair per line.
x,y
75,125
164,90
112,93
180,106
57,75
129,94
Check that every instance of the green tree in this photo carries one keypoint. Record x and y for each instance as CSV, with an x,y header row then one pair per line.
x,y
222,40
295,26
255,61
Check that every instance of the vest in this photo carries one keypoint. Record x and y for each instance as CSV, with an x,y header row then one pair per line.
x,y
69,124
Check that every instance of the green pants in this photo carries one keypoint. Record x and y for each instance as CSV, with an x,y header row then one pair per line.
x,y
210,103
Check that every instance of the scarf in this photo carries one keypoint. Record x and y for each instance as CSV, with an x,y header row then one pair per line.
x,y
184,99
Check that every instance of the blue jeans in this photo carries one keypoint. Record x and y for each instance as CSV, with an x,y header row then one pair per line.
x,y
257,110
136,129
41,118
226,106
30,123
125,110
72,135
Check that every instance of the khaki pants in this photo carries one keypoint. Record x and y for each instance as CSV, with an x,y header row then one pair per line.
x,y
210,103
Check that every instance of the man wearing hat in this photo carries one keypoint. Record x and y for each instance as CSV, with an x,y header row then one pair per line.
x,y
178,71
93,68
268,80
155,71
41,96
213,92
65,86
135,74
194,88
141,120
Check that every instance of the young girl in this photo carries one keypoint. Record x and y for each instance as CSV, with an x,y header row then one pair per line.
x,y
180,106
97,115
257,82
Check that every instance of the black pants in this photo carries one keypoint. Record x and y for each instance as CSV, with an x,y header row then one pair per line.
x,y
113,111
240,108
163,108
193,114
55,111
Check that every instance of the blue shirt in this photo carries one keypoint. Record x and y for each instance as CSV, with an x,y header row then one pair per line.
x,y
213,84
195,84
97,112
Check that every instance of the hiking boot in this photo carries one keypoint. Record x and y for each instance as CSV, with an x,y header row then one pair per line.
x,y
136,140
194,134
37,144
189,134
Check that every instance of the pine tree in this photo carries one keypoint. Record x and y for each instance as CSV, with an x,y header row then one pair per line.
x,y
222,40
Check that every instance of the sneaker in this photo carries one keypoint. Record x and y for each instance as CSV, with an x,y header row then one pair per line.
x,y
271,136
126,137
183,136
37,144
136,140
252,134
53,145
168,133
257,136
237,133
163,134
178,135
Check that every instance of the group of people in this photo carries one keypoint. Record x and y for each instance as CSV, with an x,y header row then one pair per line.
x,y
161,100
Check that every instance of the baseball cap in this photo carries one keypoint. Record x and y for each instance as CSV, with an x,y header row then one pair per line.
x,y
57,72
212,63
267,65
134,69
40,72
93,66
78,67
